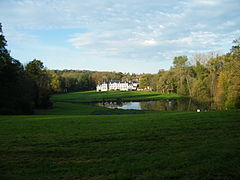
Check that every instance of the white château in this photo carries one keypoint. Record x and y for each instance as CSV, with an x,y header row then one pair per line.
x,y
117,85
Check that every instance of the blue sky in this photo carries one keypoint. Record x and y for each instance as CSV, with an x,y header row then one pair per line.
x,y
137,36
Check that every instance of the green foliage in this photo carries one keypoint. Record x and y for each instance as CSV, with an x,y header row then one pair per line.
x,y
14,93
201,90
180,61
212,79
41,83
55,82
201,71
146,81
220,96
82,80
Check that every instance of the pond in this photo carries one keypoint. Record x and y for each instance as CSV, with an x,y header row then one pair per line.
x,y
184,104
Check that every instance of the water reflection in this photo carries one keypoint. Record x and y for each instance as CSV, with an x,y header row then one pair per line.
x,y
160,105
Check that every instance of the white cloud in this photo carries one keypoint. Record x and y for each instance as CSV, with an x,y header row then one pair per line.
x,y
150,42
82,40
199,26
161,26
17,37
185,40
136,29
205,2
228,24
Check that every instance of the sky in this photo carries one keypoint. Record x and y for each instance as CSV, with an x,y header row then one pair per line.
x,y
136,36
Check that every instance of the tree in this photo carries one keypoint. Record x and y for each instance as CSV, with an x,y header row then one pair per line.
x,y
84,81
236,48
181,72
220,96
146,81
55,82
180,61
41,83
232,69
14,92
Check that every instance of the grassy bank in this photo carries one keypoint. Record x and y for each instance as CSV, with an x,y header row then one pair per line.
x,y
93,96
71,142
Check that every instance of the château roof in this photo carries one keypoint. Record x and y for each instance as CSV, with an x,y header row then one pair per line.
x,y
114,81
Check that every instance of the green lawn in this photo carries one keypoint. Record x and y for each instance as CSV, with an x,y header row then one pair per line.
x,y
93,96
71,142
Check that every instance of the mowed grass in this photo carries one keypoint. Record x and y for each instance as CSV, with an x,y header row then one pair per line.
x,y
68,108
93,96
71,142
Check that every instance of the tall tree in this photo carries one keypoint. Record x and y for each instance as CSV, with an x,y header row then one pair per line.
x,y
55,82
220,96
14,91
232,69
180,61
36,71
146,81
181,73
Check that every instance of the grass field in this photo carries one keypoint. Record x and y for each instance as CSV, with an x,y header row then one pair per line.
x,y
93,96
71,142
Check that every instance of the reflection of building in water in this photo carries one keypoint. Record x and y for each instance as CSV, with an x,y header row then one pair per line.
x,y
112,105
120,105
117,85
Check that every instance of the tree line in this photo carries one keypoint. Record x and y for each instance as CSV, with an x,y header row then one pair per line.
x,y
206,77
82,80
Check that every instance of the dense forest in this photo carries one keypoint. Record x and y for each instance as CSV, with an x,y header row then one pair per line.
x,y
206,77
81,80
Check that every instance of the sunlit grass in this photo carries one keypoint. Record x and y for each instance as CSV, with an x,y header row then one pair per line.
x,y
93,96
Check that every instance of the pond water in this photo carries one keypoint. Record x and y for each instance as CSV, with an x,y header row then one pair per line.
x,y
159,105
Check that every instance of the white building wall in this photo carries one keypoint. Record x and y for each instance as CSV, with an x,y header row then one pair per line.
x,y
98,88
105,87
124,87
102,87
130,86
116,86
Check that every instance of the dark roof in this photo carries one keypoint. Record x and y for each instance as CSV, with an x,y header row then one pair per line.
x,y
114,81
